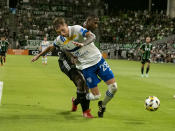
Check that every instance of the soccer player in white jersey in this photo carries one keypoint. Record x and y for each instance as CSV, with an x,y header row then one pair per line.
x,y
43,46
68,67
79,42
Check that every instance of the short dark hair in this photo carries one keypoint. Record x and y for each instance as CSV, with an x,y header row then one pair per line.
x,y
58,21
92,17
148,37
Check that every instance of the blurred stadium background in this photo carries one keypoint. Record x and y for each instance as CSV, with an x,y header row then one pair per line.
x,y
123,24
38,97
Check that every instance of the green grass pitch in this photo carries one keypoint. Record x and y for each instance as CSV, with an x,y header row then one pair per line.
x,y
37,97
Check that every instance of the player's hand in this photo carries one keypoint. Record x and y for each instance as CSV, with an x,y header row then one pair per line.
x,y
35,58
78,44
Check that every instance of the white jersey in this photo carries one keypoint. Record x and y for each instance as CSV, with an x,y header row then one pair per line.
x,y
44,45
88,55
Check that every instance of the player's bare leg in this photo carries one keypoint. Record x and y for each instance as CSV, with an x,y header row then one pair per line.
x,y
82,89
142,70
4,59
1,59
95,91
112,89
147,69
43,60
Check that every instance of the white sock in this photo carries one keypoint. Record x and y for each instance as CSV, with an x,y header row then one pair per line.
x,y
46,60
109,93
42,60
107,98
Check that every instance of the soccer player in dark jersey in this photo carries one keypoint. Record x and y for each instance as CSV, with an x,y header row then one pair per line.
x,y
4,47
90,24
146,50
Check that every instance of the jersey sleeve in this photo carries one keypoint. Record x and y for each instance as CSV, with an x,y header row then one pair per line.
x,y
151,47
56,42
142,46
7,43
82,31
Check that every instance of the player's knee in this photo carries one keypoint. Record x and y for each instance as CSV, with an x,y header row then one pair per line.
x,y
113,87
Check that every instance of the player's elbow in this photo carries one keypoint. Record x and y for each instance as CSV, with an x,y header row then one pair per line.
x,y
93,37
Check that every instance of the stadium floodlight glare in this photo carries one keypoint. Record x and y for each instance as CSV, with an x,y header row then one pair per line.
x,y
1,87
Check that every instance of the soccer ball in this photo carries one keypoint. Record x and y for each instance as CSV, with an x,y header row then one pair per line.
x,y
152,103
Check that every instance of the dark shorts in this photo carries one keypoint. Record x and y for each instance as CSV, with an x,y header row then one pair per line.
x,y
2,53
68,68
143,61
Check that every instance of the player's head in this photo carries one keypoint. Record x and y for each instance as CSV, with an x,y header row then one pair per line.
x,y
148,39
61,27
91,23
45,38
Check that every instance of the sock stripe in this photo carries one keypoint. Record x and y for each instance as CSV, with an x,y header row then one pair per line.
x,y
109,94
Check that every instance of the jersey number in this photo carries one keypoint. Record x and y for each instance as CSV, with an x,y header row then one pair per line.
x,y
104,66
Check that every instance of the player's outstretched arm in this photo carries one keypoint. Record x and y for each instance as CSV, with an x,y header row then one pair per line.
x,y
50,48
90,37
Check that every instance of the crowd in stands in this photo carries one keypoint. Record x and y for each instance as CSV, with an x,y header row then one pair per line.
x,y
34,21
133,26
126,27
161,53
164,52
4,14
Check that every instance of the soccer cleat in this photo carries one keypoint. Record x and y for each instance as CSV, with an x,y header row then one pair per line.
x,y
142,75
74,107
101,109
87,114
147,75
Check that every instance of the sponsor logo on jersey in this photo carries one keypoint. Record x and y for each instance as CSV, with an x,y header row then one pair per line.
x,y
69,39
